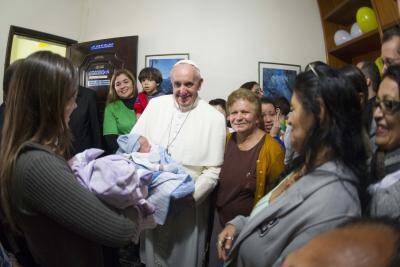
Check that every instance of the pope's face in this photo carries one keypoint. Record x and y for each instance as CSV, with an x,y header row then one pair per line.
x,y
185,83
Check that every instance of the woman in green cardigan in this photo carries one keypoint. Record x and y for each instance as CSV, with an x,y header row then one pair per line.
x,y
119,115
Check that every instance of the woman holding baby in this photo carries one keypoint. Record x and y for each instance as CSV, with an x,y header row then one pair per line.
x,y
63,223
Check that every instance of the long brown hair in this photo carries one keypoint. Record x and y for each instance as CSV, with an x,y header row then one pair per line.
x,y
39,92
112,94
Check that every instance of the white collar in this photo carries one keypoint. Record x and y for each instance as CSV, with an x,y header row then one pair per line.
x,y
186,109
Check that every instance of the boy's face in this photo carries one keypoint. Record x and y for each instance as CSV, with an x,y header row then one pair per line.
x,y
149,86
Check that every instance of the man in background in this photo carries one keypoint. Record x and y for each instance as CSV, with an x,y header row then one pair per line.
x,y
84,123
390,50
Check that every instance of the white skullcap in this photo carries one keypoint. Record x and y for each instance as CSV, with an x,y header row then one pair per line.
x,y
186,61
190,62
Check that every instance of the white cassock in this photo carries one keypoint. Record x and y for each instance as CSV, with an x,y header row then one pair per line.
x,y
196,139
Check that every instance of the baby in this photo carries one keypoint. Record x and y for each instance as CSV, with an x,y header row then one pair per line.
x,y
118,182
142,176
169,179
152,157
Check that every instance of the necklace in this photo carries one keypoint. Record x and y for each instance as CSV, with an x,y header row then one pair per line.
x,y
169,143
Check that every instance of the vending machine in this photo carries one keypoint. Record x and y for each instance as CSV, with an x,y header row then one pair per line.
x,y
97,61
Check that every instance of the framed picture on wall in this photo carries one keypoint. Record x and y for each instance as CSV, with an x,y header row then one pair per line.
x,y
164,64
277,79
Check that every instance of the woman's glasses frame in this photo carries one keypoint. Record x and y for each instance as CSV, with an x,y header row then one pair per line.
x,y
311,67
387,106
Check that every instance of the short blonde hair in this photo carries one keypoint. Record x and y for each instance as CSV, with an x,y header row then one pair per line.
x,y
244,94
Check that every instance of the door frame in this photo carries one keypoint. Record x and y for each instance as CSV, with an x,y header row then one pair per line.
x,y
15,30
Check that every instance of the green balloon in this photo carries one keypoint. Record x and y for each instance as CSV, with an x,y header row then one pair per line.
x,y
379,64
366,19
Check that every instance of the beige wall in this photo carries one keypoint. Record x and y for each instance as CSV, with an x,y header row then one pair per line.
x,y
227,38
59,17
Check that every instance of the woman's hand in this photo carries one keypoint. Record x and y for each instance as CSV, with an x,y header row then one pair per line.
x,y
225,241
276,128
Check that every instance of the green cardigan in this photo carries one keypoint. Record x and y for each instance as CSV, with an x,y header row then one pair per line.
x,y
118,119
269,166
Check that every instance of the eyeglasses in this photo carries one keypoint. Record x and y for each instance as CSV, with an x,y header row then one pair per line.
x,y
387,106
390,61
311,67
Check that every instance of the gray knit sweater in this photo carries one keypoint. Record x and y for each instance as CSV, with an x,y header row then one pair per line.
x,y
386,201
63,223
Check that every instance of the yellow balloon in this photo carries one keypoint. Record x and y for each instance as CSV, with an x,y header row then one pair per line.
x,y
366,19
379,64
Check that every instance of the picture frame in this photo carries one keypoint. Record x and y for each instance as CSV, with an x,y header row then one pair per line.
x,y
164,63
277,79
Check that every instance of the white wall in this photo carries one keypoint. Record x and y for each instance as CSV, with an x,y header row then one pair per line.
x,y
226,38
59,17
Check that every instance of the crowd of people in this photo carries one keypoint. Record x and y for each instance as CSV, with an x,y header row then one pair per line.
x,y
309,181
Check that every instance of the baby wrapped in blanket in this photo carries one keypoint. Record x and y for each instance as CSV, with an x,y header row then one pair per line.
x,y
118,182
169,180
140,175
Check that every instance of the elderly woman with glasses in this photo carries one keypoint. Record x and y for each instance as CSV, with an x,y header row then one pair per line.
x,y
320,188
385,167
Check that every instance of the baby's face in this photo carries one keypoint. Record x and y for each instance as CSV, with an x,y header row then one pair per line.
x,y
144,145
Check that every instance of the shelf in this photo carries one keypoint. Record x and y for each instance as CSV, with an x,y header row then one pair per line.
x,y
341,14
390,25
363,44
345,12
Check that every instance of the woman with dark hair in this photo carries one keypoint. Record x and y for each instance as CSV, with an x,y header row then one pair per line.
x,y
320,190
63,223
358,81
268,114
385,167
119,114
372,79
254,87
6,84
271,115
220,105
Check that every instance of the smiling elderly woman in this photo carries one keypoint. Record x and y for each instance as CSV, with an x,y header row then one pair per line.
x,y
253,161
385,191
320,190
